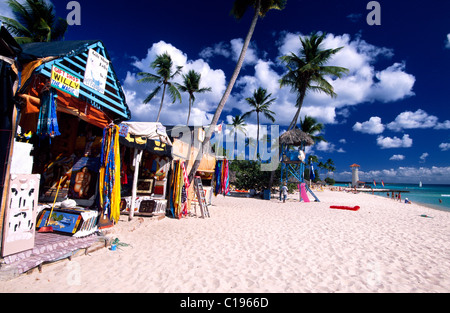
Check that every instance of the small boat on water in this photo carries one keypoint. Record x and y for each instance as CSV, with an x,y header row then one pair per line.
x,y
420,184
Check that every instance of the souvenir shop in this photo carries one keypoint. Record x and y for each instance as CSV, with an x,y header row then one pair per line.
x,y
146,155
63,174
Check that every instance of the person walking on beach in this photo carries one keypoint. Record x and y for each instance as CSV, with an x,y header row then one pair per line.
x,y
284,192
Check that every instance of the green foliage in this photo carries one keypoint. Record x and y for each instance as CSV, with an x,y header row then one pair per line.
x,y
191,85
34,21
241,6
250,176
163,65
307,72
330,181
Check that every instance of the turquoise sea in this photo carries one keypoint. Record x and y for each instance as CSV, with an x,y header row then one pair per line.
x,y
427,195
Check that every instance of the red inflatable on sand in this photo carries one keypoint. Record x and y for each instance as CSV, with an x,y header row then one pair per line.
x,y
354,208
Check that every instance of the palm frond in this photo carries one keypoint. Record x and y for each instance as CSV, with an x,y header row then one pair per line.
x,y
152,94
174,93
149,78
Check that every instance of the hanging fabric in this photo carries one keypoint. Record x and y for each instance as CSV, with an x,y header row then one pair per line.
x,y
48,121
221,178
109,180
217,178
185,189
226,178
179,190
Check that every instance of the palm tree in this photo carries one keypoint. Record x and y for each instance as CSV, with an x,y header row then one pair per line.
x,y
34,21
261,8
307,71
238,123
260,103
310,126
191,82
163,66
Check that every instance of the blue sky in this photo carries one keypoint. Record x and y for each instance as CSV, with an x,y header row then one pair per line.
x,y
391,115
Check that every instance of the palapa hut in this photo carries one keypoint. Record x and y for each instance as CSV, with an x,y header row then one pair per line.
x,y
293,161
296,137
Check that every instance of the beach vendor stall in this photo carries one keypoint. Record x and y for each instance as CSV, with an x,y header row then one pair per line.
x,y
146,159
186,143
69,103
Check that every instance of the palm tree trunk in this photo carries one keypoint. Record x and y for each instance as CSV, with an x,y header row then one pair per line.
x,y
189,112
257,135
162,100
297,114
227,92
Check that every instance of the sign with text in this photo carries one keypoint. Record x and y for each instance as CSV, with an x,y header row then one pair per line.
x,y
96,71
65,81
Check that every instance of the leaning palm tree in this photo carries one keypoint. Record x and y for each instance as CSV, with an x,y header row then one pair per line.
x,y
307,71
163,65
260,103
310,126
261,8
191,85
34,21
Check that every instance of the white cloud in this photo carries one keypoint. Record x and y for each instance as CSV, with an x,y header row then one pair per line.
x,y
325,146
5,10
402,174
397,157
423,157
231,50
388,142
364,83
447,42
445,146
444,125
372,126
173,114
393,85
410,120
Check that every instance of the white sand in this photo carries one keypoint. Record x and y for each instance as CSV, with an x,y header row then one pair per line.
x,y
251,245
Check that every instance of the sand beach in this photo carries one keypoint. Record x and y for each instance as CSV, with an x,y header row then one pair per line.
x,y
258,246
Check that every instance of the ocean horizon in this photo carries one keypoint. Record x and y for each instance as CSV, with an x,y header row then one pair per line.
x,y
436,196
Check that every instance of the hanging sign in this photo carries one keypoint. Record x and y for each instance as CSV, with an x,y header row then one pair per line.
x,y
65,81
96,71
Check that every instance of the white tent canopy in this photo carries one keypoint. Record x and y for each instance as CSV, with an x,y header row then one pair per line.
x,y
150,130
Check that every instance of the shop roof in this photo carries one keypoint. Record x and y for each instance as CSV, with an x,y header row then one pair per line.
x,y
55,48
72,57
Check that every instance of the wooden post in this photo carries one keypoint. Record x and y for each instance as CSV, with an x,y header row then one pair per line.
x,y
136,162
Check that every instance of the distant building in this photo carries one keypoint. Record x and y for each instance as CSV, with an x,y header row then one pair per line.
x,y
355,175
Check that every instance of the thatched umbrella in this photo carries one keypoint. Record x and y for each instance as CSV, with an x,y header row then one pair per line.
x,y
296,137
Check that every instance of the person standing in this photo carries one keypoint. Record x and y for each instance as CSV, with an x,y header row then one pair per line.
x,y
284,192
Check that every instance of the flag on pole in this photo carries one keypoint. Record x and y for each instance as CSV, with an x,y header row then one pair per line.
x,y
311,173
